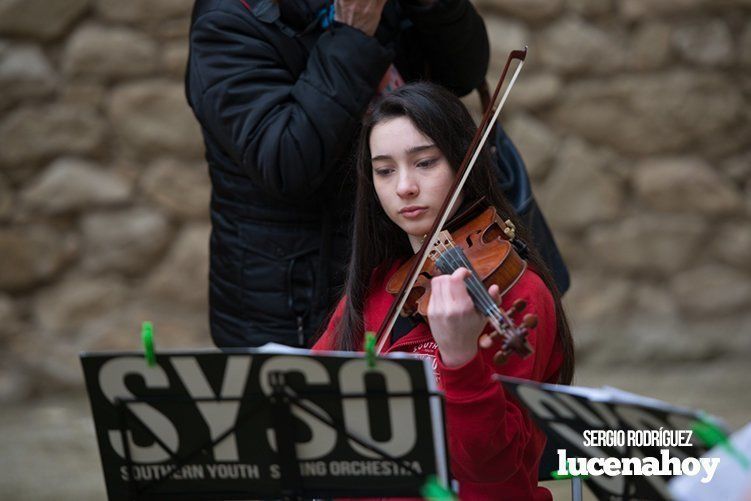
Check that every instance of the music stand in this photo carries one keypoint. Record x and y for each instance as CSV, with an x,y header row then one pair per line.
x,y
565,413
155,445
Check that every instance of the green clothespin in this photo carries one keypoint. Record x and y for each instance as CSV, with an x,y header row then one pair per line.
x,y
147,338
558,476
434,491
712,435
370,354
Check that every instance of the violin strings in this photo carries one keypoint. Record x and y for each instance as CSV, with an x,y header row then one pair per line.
x,y
484,298
488,301
455,264
474,284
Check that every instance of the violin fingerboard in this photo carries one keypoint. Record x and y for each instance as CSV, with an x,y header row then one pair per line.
x,y
454,258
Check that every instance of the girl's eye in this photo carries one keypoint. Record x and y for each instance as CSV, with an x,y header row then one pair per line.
x,y
428,162
383,171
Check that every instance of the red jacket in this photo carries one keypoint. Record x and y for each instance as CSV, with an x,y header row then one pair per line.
x,y
494,446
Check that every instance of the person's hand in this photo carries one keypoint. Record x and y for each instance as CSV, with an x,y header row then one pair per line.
x,y
453,319
361,14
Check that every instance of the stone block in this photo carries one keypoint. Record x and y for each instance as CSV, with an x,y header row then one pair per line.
x,y
685,184
649,46
109,53
182,277
596,297
142,11
573,45
6,199
65,307
712,290
731,243
651,9
174,58
39,19
744,46
504,36
580,191
84,93
639,114
71,184
126,241
25,73
530,10
535,91
152,117
658,245
40,132
707,43
590,8
738,167
32,255
182,188
535,141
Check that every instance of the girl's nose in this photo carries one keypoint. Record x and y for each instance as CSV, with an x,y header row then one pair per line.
x,y
406,186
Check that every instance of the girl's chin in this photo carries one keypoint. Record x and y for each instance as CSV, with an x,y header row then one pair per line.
x,y
417,232
414,229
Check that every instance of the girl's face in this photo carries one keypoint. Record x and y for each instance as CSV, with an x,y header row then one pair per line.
x,y
411,176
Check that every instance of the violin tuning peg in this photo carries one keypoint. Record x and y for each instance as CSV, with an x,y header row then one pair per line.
x,y
518,306
500,358
528,350
509,230
486,341
529,321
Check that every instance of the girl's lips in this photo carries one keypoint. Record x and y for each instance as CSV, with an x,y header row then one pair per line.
x,y
412,213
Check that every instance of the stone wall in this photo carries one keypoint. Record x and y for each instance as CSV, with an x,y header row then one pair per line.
x,y
633,117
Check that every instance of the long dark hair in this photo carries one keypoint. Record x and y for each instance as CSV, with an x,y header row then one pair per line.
x,y
440,115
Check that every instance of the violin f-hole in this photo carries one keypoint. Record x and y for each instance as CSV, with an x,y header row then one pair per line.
x,y
470,240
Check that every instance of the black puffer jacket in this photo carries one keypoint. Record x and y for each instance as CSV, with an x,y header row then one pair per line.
x,y
279,99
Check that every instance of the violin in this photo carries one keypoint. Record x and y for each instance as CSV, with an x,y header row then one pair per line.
x,y
479,240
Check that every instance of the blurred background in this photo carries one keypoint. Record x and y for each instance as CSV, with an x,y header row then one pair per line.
x,y
633,117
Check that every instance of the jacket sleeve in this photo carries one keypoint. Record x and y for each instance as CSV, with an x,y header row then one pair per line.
x,y
454,40
488,433
285,131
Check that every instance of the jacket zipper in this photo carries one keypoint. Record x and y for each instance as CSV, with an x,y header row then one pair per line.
x,y
300,331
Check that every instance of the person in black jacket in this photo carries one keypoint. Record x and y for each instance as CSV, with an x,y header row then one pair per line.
x,y
279,88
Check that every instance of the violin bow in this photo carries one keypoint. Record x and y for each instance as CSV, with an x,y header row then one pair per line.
x,y
478,141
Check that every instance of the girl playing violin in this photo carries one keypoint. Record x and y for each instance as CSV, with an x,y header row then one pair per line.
x,y
410,147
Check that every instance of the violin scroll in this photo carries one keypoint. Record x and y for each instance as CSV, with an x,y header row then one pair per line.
x,y
513,338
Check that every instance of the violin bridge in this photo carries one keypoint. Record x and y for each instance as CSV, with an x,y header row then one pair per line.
x,y
441,242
